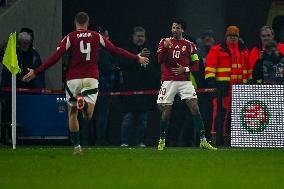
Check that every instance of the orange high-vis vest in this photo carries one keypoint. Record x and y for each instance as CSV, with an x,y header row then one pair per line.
x,y
227,63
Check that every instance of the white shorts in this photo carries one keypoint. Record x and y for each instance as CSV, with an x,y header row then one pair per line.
x,y
78,86
169,89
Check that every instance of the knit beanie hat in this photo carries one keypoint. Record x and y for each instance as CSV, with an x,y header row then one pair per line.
x,y
233,30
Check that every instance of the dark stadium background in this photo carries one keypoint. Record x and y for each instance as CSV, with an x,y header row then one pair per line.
x,y
155,15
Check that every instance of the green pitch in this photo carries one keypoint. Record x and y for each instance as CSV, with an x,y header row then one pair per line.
x,y
116,168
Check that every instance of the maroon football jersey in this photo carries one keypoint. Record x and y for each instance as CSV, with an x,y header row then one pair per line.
x,y
182,52
83,47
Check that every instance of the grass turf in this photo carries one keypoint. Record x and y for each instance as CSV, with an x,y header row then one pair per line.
x,y
147,168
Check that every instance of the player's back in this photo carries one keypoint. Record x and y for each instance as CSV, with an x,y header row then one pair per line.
x,y
83,48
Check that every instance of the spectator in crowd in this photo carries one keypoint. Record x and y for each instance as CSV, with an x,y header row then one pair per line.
x,y
205,43
136,78
206,99
226,64
266,33
269,69
107,67
27,57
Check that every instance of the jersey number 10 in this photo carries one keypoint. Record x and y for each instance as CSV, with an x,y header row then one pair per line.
x,y
86,50
176,54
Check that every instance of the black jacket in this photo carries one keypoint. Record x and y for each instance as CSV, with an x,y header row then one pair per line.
x,y
30,59
136,78
269,69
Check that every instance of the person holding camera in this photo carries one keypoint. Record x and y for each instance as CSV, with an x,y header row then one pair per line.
x,y
269,68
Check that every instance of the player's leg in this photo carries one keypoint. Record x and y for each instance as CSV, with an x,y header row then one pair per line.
x,y
198,123
165,101
72,88
88,97
164,123
187,92
192,104
74,128
88,109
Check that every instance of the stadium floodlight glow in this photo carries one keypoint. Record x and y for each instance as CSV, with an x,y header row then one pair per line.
x,y
257,116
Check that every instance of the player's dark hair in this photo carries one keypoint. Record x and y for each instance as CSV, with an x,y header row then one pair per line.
x,y
181,22
81,18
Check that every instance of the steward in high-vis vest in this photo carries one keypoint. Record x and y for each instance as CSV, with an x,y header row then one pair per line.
x,y
226,64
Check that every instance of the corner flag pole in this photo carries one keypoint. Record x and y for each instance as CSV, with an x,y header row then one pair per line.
x,y
14,122
10,60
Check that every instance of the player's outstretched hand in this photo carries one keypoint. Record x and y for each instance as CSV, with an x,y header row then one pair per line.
x,y
29,76
143,60
179,70
167,43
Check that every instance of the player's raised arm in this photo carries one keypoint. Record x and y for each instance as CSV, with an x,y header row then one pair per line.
x,y
61,49
162,52
122,52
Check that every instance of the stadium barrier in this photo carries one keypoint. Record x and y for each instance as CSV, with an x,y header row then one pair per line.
x,y
42,113
119,93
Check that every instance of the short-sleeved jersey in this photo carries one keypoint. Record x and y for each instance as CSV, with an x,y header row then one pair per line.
x,y
83,46
182,52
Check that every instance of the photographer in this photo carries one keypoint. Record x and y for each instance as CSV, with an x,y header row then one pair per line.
x,y
269,67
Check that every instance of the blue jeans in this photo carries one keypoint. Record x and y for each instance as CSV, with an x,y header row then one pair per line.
x,y
128,120
102,105
103,108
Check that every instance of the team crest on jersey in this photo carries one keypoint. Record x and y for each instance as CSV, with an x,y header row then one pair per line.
x,y
183,48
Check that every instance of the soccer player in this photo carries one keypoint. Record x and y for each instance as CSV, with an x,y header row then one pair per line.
x,y
174,55
82,75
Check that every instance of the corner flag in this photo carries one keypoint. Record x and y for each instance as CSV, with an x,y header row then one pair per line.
x,y
11,62
10,57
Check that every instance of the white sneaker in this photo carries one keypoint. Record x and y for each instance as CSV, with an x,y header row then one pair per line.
x,y
77,150
124,145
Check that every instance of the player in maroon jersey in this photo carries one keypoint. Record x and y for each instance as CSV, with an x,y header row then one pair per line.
x,y
82,75
178,57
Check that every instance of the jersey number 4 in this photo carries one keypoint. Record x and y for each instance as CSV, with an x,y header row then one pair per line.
x,y
86,50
